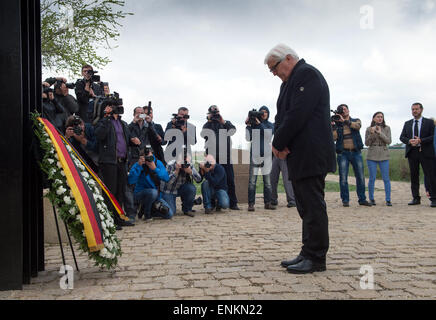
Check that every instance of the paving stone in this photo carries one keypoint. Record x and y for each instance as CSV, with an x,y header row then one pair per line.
x,y
190,292
218,291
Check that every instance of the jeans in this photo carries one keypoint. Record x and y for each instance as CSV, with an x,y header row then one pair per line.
x,y
384,168
210,194
187,193
146,197
344,160
267,190
231,184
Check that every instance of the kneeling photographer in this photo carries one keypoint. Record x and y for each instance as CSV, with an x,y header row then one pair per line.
x,y
214,188
82,138
182,173
147,175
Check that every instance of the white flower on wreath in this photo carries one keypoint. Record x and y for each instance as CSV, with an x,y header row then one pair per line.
x,y
67,200
48,140
103,252
56,156
51,161
61,190
59,165
63,173
79,218
73,211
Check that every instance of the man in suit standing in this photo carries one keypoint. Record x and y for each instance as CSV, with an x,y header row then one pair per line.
x,y
418,136
303,136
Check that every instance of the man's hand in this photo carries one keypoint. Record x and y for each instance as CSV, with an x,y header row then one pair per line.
x,y
178,168
159,138
281,154
46,84
141,161
222,121
184,128
151,165
136,141
188,170
69,132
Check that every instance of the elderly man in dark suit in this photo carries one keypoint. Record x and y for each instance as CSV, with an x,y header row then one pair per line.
x,y
418,135
303,136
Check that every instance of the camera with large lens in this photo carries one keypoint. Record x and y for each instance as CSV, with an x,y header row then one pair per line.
x,y
115,102
215,115
179,121
208,165
337,114
159,207
47,90
77,125
145,153
254,115
94,76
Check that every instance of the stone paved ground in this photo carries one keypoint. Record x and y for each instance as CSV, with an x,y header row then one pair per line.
x,y
236,255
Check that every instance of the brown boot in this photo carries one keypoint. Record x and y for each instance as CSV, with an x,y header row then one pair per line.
x,y
251,207
269,206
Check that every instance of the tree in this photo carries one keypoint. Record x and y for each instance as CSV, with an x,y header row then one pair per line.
x,y
72,31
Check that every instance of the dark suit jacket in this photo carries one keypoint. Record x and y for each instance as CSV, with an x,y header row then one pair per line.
x,y
427,136
303,123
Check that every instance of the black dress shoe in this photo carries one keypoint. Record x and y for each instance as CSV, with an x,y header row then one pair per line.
x,y
433,204
389,204
372,202
126,224
306,266
415,202
117,227
291,205
189,214
288,263
365,203
235,208
274,202
345,204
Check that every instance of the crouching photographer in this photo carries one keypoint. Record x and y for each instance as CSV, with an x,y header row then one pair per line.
x,y
214,188
182,173
83,139
147,175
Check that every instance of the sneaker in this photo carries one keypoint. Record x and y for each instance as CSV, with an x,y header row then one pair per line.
x,y
148,219
389,204
235,207
189,214
207,210
218,209
372,202
251,207
346,204
274,202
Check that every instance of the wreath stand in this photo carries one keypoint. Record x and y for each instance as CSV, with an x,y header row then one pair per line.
x,y
60,241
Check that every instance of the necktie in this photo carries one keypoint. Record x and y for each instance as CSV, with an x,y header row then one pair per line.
x,y
416,131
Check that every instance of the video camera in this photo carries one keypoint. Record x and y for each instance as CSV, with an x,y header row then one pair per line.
x,y
115,102
254,115
58,85
94,76
337,113
179,121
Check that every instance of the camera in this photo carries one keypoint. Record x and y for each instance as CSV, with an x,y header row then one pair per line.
x,y
159,207
77,125
47,90
208,165
215,115
253,115
145,153
198,201
115,102
179,121
94,76
337,113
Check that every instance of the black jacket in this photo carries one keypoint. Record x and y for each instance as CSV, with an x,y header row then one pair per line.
x,y
107,140
216,127
303,123
147,135
83,98
426,135
54,112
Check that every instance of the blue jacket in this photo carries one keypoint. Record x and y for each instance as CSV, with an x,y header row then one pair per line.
x,y
264,125
357,138
217,178
137,176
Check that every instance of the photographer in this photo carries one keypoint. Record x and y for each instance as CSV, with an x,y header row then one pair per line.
x,y
180,122
147,175
348,147
215,123
83,139
146,130
182,173
62,95
52,110
214,188
258,121
86,91
113,138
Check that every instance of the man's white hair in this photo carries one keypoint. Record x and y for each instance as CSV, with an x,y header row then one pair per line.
x,y
280,52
